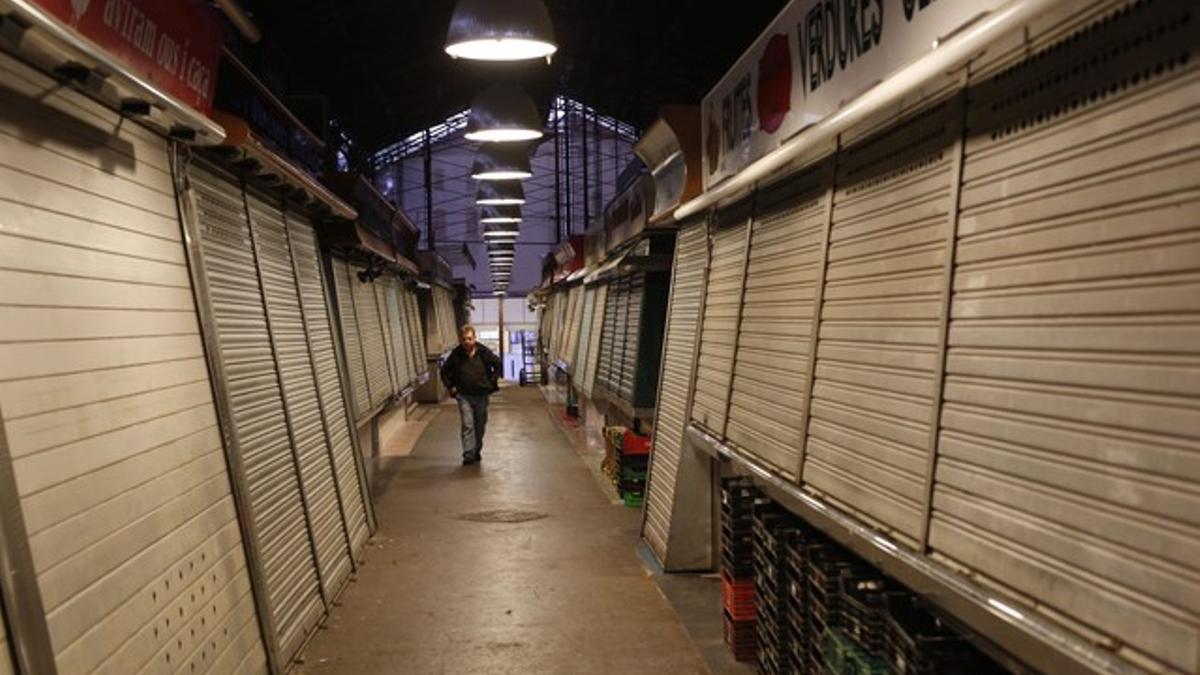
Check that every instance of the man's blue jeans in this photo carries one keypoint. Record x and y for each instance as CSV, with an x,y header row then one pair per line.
x,y
473,411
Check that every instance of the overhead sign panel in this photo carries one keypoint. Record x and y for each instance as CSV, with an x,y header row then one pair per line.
x,y
174,46
812,59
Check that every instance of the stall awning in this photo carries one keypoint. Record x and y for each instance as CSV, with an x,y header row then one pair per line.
x,y
253,154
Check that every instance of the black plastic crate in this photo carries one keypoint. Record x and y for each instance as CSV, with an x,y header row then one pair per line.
x,y
862,601
917,642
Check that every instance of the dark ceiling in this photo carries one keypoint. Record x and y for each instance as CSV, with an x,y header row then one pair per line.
x,y
377,66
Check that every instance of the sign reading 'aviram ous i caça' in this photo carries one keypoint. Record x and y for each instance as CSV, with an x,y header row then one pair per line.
x,y
815,56
174,45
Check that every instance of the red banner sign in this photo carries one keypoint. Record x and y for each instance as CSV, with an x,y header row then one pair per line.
x,y
175,45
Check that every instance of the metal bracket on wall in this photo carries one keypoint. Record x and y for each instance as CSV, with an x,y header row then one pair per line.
x,y
1013,632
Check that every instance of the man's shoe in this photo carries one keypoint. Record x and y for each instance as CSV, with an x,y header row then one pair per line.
x,y
470,459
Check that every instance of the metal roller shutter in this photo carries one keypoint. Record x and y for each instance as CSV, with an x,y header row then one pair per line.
x,y
679,360
620,325
385,301
451,324
1068,464
6,665
718,332
783,275
370,333
585,335
875,380
399,329
434,339
351,482
302,407
604,357
356,364
257,405
417,344
594,340
632,345
571,329
106,399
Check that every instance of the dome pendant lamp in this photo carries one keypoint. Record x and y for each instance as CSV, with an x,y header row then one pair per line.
x,y
500,193
503,113
500,30
490,215
501,162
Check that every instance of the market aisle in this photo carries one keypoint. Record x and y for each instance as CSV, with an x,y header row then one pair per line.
x,y
445,593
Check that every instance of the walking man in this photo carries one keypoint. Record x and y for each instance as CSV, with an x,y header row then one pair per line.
x,y
471,374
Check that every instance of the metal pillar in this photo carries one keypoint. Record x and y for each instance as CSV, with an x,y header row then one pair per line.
x,y
430,239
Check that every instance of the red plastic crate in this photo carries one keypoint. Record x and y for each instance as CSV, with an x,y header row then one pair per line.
x,y
634,444
737,596
741,638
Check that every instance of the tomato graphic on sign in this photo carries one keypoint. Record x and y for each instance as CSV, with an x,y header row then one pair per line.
x,y
774,84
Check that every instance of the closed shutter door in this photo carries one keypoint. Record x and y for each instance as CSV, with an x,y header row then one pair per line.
x,y
106,399
6,665
399,327
608,336
429,315
370,332
350,483
679,360
413,312
620,336
770,373
356,364
571,327
1068,464
633,325
874,384
448,315
302,406
257,404
718,334
593,348
585,335
383,299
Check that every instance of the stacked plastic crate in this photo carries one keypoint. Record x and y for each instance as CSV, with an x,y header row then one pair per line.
x,y
739,499
633,459
775,532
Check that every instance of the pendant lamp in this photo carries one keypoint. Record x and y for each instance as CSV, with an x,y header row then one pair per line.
x,y
501,162
500,235
490,215
503,113
500,30
500,193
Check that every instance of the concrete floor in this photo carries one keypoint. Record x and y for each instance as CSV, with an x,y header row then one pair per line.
x,y
445,590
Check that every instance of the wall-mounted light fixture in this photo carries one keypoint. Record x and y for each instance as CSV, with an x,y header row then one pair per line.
x,y
503,113
500,193
501,162
500,30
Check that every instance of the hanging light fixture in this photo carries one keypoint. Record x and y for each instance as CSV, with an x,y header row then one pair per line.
x,y
500,193
497,215
500,235
500,30
501,162
503,113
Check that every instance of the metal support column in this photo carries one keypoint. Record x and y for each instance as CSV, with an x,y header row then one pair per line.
x,y
587,176
558,171
430,239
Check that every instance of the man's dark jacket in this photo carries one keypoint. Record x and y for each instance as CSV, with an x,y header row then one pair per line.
x,y
475,379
